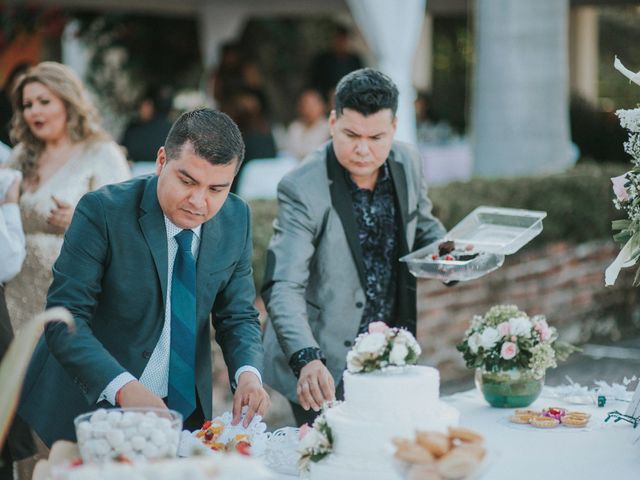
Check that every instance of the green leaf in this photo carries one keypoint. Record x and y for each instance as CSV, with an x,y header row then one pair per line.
x,y
620,224
14,365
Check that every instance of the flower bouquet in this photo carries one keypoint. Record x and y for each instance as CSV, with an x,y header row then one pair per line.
x,y
511,353
382,347
627,188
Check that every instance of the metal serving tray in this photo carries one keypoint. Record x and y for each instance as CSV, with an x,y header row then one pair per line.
x,y
492,233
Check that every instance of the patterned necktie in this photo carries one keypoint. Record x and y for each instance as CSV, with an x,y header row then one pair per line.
x,y
182,359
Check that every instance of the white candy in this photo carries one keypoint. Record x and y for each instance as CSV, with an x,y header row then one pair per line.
x,y
101,447
173,437
150,451
100,429
157,437
138,442
99,415
83,435
130,432
164,424
129,419
124,448
115,437
114,418
145,427
151,415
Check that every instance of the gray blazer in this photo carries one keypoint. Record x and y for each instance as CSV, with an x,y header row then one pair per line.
x,y
314,278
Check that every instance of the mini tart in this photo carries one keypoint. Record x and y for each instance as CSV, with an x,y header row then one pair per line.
x,y
528,413
576,414
522,419
574,422
544,422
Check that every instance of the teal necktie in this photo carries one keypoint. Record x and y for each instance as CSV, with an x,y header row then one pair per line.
x,y
182,360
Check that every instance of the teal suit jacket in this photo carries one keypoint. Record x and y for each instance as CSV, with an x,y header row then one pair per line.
x,y
112,275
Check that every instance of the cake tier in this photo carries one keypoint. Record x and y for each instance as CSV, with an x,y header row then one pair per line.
x,y
406,390
368,438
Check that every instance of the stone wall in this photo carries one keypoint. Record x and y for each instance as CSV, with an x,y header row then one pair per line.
x,y
565,282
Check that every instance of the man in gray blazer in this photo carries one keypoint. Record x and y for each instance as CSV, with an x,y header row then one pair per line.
x,y
346,215
145,265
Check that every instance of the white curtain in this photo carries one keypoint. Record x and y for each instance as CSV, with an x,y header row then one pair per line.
x,y
392,29
219,22
520,108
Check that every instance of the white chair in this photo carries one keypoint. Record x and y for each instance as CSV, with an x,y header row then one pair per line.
x,y
260,177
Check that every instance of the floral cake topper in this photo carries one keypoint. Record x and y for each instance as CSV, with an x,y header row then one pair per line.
x,y
382,347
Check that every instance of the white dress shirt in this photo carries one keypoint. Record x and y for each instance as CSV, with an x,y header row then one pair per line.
x,y
12,242
155,376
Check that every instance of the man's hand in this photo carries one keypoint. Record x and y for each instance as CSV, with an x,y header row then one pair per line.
x,y
251,394
13,194
134,394
315,385
60,217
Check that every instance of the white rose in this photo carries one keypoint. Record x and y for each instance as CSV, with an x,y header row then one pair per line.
x,y
474,342
520,326
311,440
398,354
354,362
372,343
489,337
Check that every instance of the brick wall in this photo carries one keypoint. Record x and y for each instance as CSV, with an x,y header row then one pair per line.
x,y
565,282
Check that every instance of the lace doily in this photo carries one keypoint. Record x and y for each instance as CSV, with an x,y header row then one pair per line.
x,y
281,454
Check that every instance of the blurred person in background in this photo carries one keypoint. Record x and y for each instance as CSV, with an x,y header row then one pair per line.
x,y
63,153
144,135
248,112
328,67
310,129
6,110
430,130
19,443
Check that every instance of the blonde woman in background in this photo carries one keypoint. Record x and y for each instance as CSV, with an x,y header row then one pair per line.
x,y
63,153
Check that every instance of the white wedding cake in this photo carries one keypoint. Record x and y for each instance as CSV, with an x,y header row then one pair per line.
x,y
393,401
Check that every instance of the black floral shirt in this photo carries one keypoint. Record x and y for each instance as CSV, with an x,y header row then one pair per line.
x,y
375,213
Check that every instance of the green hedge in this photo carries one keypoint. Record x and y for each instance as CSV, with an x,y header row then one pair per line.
x,y
578,204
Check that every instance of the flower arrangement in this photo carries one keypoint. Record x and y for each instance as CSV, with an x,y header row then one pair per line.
x,y
382,347
316,442
506,338
626,188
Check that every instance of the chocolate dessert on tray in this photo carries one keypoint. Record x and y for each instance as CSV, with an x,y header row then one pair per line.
x,y
477,245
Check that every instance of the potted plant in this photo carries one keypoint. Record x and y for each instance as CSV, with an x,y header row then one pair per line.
x,y
511,353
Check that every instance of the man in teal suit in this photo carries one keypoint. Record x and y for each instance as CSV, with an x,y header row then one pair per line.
x,y
144,267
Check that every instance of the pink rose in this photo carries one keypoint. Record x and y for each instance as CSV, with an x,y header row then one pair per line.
x,y
378,327
543,330
509,350
504,329
619,188
304,429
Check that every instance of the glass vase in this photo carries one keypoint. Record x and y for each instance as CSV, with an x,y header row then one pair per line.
x,y
513,388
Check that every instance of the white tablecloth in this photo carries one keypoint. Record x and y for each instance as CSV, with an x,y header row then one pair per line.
x,y
602,451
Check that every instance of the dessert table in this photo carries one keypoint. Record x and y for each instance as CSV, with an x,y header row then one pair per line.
x,y
598,452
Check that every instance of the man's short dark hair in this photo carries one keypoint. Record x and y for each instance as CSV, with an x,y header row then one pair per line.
x,y
212,134
366,91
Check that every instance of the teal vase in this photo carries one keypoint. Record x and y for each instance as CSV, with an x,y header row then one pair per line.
x,y
510,388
